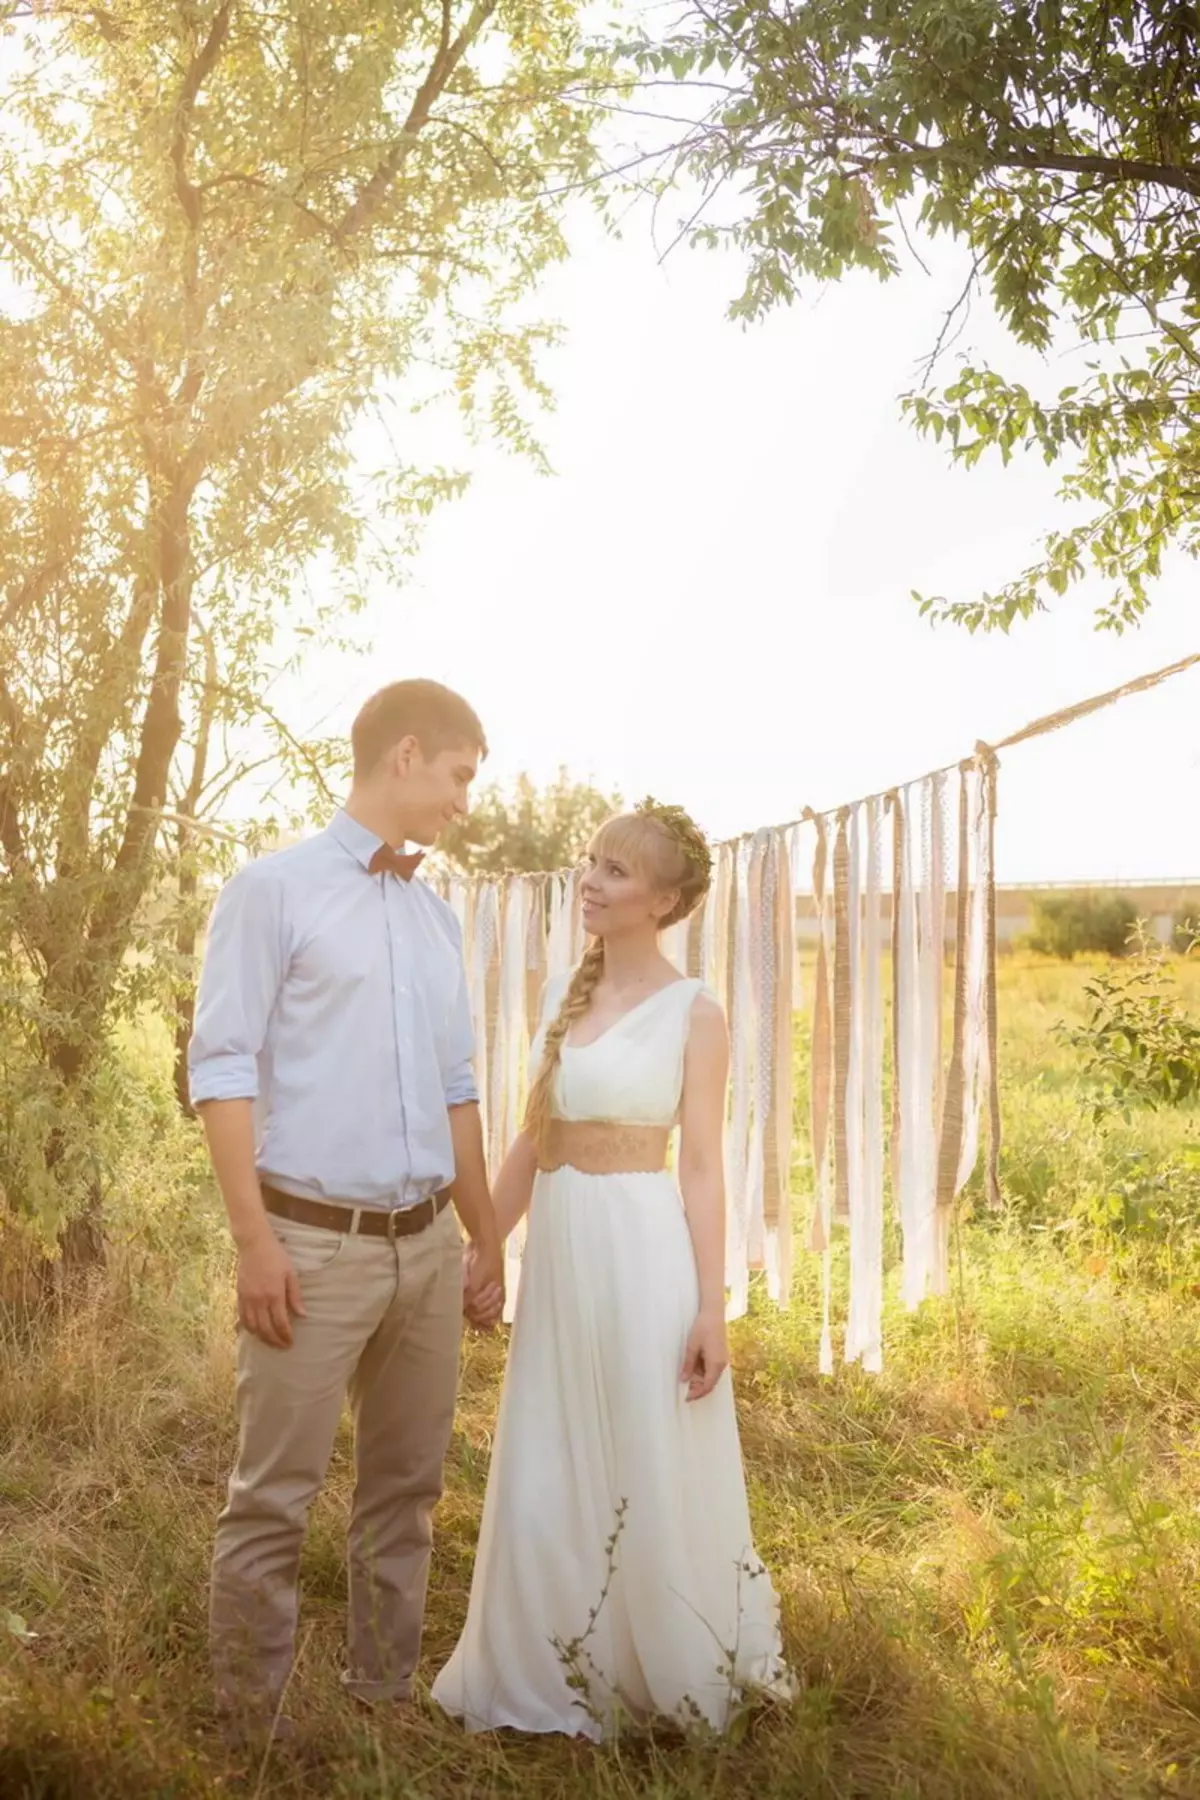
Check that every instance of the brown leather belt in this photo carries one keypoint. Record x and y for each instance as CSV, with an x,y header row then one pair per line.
x,y
363,1221
600,1147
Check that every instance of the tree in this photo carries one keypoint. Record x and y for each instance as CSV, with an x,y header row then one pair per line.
x,y
1061,145
527,828
1086,923
231,239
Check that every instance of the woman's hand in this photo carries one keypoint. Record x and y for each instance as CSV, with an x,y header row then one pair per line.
x,y
707,1355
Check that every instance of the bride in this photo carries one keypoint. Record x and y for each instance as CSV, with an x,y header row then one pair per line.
x,y
616,1574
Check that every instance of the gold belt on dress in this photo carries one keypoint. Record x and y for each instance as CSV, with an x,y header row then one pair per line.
x,y
599,1147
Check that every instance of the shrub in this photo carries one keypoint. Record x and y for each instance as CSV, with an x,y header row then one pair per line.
x,y
1185,934
1140,1047
1067,925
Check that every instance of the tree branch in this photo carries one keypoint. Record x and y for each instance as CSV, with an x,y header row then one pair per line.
x,y
189,195
33,256
371,196
1184,180
115,688
160,731
12,837
199,70
236,178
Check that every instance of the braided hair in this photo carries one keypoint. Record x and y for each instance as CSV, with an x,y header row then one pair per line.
x,y
667,846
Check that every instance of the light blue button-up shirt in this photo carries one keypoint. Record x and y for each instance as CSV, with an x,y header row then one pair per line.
x,y
336,1001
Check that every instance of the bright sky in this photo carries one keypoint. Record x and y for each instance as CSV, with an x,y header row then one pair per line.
x,y
709,599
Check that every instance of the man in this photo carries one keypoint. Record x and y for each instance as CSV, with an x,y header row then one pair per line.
x,y
332,1067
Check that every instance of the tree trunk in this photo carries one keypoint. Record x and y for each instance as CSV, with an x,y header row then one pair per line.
x,y
79,985
187,930
185,1018
81,1240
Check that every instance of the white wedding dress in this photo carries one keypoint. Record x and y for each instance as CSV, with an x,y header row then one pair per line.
x,y
615,1573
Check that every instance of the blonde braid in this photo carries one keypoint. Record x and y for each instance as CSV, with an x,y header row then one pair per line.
x,y
576,1000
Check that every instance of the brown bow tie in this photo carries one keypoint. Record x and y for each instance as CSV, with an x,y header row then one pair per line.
x,y
401,866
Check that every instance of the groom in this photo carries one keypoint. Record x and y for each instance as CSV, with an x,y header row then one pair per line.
x,y
332,1067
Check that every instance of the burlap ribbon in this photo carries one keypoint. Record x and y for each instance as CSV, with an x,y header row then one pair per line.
x,y
950,1131
535,951
695,941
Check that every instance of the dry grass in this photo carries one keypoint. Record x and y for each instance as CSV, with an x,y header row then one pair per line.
x,y
988,1557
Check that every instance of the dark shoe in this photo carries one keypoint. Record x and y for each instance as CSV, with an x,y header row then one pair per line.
x,y
377,1703
394,1703
253,1728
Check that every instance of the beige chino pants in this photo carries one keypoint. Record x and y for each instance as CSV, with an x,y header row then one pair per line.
x,y
383,1322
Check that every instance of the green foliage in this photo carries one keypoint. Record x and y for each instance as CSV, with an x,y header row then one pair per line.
x,y
1185,929
232,240
986,1556
526,827
1140,1047
1146,1204
1068,925
1061,147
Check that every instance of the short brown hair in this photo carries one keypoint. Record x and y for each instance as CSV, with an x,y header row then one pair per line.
x,y
435,715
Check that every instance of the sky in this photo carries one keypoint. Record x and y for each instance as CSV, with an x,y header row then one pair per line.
x,y
709,598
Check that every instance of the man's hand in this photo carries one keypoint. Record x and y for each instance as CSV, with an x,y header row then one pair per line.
x,y
483,1284
268,1291
707,1355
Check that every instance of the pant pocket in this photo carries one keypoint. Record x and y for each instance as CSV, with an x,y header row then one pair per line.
x,y
310,1247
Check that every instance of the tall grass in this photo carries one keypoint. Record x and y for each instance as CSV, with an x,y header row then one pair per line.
x,y
988,1557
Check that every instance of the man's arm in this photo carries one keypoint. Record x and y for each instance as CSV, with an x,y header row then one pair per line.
x,y
243,969
473,1204
484,1292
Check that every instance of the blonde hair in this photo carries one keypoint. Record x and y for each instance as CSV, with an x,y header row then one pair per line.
x,y
666,845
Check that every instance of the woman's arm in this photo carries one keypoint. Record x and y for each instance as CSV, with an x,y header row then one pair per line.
x,y
702,1184
512,1191
513,1188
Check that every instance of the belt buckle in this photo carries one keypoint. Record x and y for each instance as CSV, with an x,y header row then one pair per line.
x,y
408,1212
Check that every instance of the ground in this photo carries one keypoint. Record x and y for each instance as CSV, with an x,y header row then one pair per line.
x,y
988,1557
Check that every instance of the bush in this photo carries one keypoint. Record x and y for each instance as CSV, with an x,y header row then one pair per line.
x,y
1185,935
1067,925
1140,1047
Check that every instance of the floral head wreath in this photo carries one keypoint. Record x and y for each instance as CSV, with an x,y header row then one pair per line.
x,y
684,830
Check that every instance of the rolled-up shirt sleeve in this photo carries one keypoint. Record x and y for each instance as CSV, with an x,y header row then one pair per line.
x,y
462,1089
244,965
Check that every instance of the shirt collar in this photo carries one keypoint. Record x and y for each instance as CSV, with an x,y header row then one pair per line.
x,y
361,843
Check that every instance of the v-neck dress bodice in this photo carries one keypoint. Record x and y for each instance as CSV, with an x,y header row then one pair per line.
x,y
633,1072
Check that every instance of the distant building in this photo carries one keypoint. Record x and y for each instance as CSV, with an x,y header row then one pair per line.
x,y
1160,903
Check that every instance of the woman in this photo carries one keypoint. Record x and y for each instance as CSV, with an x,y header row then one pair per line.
x,y
615,1573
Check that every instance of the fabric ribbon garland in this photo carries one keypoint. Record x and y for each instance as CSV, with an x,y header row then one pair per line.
x,y
519,931
522,930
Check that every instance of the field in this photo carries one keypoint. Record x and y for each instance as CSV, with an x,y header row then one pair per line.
x,y
988,1557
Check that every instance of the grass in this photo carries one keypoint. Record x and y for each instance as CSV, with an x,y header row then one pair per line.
x,y
988,1557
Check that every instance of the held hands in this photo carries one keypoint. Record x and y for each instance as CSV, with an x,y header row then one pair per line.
x,y
268,1291
707,1355
483,1285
